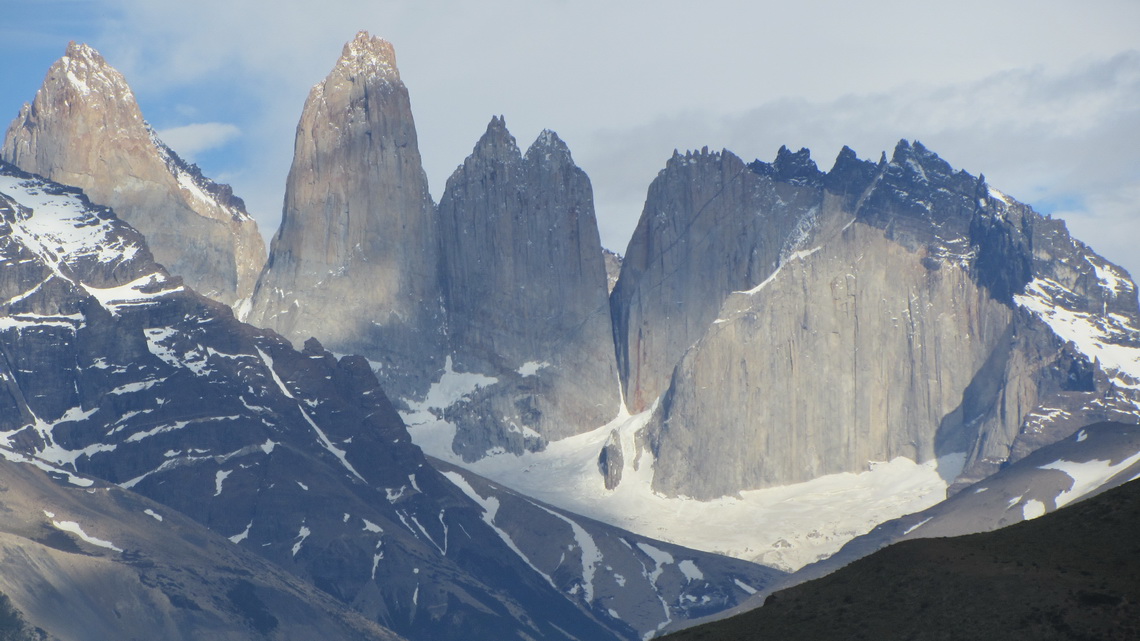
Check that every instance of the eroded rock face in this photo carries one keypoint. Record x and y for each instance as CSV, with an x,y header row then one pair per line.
x,y
525,292
356,260
839,360
926,314
84,129
711,225
613,268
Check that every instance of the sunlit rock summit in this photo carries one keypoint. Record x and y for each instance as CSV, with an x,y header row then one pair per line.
x,y
356,259
505,281
84,128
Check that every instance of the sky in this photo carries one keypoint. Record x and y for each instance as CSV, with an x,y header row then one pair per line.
x,y
1042,96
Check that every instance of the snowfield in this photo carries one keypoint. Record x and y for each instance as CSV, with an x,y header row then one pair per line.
x,y
783,527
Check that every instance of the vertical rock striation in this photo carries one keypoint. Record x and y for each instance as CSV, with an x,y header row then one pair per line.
x,y
923,313
525,290
355,261
84,128
711,225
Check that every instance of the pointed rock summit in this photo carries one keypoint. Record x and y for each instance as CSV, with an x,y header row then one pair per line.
x,y
84,128
506,278
526,294
355,261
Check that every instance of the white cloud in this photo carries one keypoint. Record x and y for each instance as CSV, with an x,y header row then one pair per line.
x,y
1020,90
1069,136
191,140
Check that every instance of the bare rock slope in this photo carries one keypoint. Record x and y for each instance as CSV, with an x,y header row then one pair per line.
x,y
84,559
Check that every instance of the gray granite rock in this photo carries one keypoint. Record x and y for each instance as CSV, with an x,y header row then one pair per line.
x,y
904,326
355,262
711,225
525,292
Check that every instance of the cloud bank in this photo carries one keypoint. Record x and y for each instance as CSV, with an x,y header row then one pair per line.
x,y
1040,95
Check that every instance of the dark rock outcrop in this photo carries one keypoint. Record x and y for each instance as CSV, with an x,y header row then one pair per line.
x,y
84,559
611,461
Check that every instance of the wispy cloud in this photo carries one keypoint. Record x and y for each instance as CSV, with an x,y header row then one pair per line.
x,y
191,140
1067,139
1037,94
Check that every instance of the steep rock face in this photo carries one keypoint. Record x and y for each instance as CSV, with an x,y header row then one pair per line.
x,y
84,129
613,269
525,292
711,225
942,317
355,261
835,362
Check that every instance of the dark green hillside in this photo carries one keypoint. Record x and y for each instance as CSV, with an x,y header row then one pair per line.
x,y
1072,574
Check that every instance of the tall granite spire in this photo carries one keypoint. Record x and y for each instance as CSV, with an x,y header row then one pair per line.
x,y
356,259
525,288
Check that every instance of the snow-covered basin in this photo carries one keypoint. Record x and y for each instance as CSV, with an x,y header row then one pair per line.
x,y
784,527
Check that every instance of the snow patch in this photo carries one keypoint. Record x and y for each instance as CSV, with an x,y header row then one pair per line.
x,y
744,586
151,513
690,570
997,195
220,478
74,528
530,368
145,290
16,457
660,558
917,525
302,534
243,535
1032,509
451,388
591,555
1088,476
1094,335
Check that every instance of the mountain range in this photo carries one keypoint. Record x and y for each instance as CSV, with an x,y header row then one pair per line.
x,y
467,420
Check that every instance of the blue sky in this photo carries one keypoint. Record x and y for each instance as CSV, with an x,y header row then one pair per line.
x,y
1041,96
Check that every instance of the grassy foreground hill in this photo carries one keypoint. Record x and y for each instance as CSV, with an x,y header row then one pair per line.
x,y
1072,574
